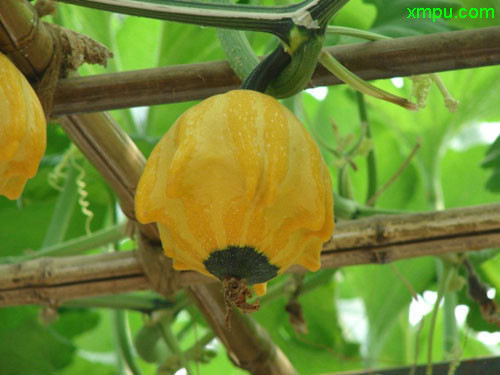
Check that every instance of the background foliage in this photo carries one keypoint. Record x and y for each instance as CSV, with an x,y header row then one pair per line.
x,y
357,316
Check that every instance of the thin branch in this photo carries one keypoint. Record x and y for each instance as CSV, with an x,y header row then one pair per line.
x,y
373,60
405,282
371,169
395,176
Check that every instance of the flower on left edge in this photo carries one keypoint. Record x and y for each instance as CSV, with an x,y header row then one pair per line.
x,y
22,130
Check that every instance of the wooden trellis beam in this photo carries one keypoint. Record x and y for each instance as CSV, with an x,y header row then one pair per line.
x,y
372,240
373,60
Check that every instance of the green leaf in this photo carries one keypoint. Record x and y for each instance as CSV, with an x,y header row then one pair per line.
x,y
180,44
492,158
492,161
28,224
28,347
144,52
463,180
393,18
323,348
408,192
74,322
81,365
385,295
349,15
476,90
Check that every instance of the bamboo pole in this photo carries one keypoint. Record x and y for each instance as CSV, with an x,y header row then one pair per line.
x,y
373,60
24,38
374,240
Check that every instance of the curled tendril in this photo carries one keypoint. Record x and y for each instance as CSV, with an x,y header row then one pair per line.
x,y
83,194
59,174
420,89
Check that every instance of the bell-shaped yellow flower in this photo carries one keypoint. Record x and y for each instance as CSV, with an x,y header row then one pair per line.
x,y
22,130
239,190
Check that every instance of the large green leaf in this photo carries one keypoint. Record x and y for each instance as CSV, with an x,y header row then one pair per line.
x,y
323,348
476,89
74,322
28,347
23,228
404,341
180,44
385,295
463,180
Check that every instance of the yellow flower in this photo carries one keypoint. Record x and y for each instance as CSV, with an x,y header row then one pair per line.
x,y
238,189
22,130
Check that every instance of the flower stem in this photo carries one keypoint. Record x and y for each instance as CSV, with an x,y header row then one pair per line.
x,y
370,157
129,301
75,245
345,75
124,342
362,34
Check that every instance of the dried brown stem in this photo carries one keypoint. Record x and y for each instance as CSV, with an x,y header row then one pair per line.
x,y
372,60
237,291
478,291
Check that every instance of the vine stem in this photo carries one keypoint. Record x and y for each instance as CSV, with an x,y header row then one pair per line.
x,y
74,246
449,101
345,75
443,283
349,209
362,34
370,158
127,301
172,342
124,342
277,20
